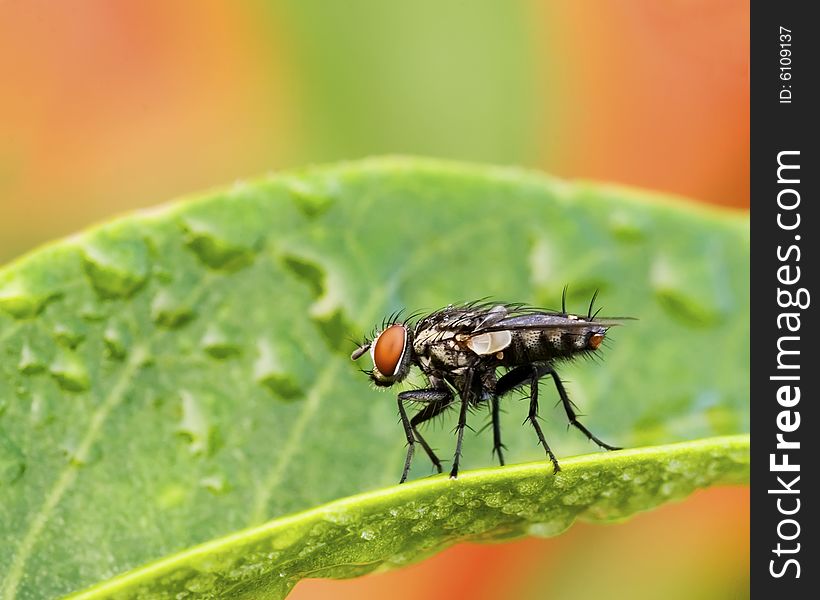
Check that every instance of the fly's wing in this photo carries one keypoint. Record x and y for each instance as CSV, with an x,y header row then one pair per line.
x,y
481,317
497,313
545,320
465,318
475,317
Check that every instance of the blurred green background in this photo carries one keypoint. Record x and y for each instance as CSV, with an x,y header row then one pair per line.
x,y
108,106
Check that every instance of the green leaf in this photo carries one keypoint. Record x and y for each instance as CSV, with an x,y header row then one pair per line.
x,y
179,375
397,525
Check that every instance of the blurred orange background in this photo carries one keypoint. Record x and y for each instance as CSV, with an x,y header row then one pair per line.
x,y
108,106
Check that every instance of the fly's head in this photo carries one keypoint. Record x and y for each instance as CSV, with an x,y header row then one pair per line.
x,y
391,351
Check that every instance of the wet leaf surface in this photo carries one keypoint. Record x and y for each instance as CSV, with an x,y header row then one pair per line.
x,y
183,374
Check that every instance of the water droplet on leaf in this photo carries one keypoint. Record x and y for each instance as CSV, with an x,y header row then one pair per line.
x,y
171,310
92,311
67,335
308,197
271,370
421,526
116,341
201,583
529,487
215,484
550,528
31,361
496,499
21,302
70,372
194,426
337,516
217,343
220,243
116,266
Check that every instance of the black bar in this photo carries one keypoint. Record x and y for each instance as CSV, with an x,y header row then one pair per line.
x,y
784,172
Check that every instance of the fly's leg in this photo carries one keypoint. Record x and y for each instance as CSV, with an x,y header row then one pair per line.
x,y
462,423
437,401
424,415
508,382
573,417
497,445
518,377
408,432
533,417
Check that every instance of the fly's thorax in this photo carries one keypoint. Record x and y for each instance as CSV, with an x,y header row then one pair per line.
x,y
438,348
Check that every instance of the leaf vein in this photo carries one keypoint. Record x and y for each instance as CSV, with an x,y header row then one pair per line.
x,y
311,406
69,474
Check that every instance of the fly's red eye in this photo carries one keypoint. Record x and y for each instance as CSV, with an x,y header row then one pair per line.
x,y
389,348
595,340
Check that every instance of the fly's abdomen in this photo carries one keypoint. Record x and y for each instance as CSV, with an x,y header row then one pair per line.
x,y
532,345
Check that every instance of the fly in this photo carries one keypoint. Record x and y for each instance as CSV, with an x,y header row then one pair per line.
x,y
462,349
